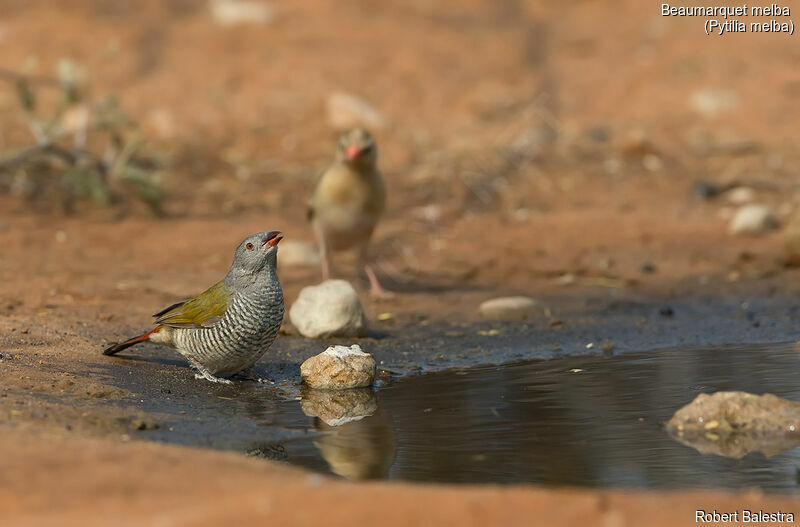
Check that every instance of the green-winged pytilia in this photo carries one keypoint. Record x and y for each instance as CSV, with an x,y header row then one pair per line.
x,y
347,202
227,328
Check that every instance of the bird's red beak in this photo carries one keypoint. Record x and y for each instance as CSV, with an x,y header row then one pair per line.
x,y
352,152
273,238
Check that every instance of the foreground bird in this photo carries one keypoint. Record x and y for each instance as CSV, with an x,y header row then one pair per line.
x,y
227,328
348,201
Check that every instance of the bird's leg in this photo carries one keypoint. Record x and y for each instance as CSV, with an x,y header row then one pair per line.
x,y
207,375
375,290
324,252
326,267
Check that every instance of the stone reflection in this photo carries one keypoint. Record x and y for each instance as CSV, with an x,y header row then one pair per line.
x,y
733,424
735,446
358,440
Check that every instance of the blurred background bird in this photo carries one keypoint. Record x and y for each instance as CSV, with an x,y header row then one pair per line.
x,y
347,202
228,327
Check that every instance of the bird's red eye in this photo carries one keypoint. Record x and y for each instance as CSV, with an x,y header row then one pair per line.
x,y
249,246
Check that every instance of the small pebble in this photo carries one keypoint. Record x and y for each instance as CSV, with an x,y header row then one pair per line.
x,y
236,12
753,219
509,308
652,162
740,195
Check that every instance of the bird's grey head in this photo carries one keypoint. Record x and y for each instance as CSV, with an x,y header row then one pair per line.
x,y
256,256
357,147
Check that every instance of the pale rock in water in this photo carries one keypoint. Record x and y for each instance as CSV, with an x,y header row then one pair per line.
x,y
733,424
339,367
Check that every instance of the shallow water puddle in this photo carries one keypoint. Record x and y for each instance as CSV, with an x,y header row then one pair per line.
x,y
591,421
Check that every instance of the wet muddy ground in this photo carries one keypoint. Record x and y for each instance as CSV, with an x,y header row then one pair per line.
x,y
578,403
591,420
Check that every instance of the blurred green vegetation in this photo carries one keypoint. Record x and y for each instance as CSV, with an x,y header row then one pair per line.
x,y
82,148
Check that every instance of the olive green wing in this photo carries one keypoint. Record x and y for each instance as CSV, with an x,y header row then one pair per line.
x,y
203,311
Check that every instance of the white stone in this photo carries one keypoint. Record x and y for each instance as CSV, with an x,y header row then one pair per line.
x,y
346,111
294,253
652,162
753,219
330,309
712,102
339,367
509,308
236,12
740,195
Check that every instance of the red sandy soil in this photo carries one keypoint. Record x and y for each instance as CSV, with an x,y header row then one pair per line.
x,y
599,95
67,481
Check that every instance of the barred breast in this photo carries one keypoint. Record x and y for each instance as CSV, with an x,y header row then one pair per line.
x,y
243,334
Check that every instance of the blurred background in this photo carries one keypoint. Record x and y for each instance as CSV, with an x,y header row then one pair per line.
x,y
589,139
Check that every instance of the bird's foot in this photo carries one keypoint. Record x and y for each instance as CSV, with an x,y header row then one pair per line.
x,y
205,374
376,292
381,294
209,377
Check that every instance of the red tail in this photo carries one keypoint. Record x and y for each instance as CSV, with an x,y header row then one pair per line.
x,y
114,348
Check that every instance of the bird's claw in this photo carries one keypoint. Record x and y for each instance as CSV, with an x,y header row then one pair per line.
x,y
209,377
